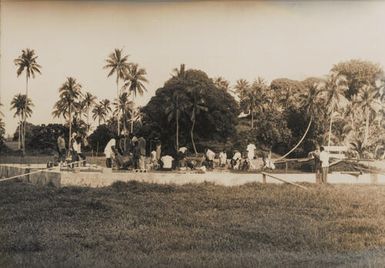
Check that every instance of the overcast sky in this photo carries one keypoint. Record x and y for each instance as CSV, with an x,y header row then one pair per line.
x,y
230,39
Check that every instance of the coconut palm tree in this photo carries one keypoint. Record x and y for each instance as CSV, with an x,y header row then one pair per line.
x,y
68,103
134,80
175,105
310,103
334,88
27,62
179,73
367,101
221,83
197,105
99,112
118,64
124,106
23,110
88,102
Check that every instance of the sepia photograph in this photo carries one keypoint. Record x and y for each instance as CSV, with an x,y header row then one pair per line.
x,y
171,133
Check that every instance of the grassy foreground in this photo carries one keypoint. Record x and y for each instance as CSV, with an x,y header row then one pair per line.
x,y
134,224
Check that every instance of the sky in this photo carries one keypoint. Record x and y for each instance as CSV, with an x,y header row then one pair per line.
x,y
269,39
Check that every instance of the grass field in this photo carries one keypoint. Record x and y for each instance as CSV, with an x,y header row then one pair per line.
x,y
134,224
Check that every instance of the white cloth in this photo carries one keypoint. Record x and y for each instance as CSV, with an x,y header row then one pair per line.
x,y
250,151
167,161
324,157
222,158
108,150
182,149
210,154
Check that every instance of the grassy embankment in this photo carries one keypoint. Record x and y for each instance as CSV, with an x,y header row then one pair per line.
x,y
135,224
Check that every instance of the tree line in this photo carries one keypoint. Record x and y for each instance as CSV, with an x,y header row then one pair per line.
x,y
345,107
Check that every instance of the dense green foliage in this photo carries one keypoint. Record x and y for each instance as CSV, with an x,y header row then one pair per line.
x,y
204,110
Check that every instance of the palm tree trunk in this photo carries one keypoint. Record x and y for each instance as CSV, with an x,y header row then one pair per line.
x,y
132,115
19,140
252,119
300,141
177,130
117,99
24,111
70,129
192,135
330,128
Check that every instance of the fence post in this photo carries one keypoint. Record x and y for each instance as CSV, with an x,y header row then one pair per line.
x,y
286,166
264,178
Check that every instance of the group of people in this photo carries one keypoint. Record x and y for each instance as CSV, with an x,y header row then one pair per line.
x,y
74,154
126,152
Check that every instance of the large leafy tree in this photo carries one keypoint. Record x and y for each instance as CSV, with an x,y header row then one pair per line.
x,y
216,125
358,73
23,109
117,64
69,102
134,80
27,62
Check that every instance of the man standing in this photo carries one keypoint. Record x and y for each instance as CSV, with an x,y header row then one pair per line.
x,y
109,151
61,147
142,147
250,154
317,164
324,158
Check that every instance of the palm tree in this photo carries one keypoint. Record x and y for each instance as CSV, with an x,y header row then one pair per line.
x,y
99,112
197,106
123,106
88,101
310,103
117,64
242,88
179,73
221,83
334,88
175,105
134,82
68,103
27,62
23,110
252,98
367,101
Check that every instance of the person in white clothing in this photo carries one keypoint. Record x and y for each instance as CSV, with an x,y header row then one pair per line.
x,y
210,155
250,151
236,160
77,150
167,162
109,151
222,158
324,158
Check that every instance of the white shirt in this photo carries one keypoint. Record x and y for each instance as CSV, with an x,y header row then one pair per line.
x,y
324,157
77,147
167,161
251,147
223,157
108,150
237,155
210,154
